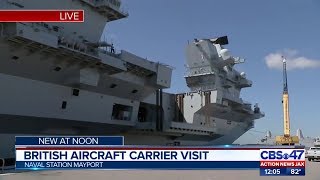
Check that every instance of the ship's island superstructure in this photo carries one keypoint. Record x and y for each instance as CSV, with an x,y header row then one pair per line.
x,y
60,79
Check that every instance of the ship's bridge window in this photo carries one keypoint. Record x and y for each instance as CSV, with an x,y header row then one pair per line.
x,y
45,25
16,4
237,78
121,112
142,114
55,28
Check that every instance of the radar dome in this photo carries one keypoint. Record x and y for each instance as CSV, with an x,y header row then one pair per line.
x,y
243,74
225,54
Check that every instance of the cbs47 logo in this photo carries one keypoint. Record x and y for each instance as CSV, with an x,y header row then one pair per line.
x,y
282,154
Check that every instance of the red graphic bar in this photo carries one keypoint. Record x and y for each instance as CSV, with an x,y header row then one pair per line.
x,y
41,16
282,164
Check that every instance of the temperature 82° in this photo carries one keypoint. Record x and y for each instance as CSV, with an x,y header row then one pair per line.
x,y
296,171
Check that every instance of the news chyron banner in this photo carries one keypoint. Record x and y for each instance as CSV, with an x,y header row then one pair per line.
x,y
79,152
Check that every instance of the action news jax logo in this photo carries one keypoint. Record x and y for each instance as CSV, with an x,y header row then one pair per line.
x,y
278,162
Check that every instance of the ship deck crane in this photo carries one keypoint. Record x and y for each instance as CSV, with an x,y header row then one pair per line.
x,y
286,138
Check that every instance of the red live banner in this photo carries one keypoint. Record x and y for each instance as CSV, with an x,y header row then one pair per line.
x,y
41,16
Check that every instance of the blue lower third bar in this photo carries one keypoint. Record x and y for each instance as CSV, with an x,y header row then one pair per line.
x,y
37,165
283,171
69,140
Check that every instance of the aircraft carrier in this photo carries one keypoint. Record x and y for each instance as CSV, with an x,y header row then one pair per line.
x,y
60,79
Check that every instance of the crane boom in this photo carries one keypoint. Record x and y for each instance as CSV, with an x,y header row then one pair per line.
x,y
286,138
285,80
285,101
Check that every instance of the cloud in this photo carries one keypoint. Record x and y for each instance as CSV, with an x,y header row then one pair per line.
x,y
274,60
